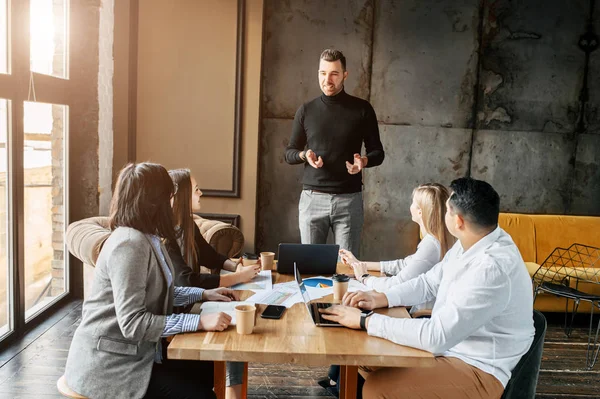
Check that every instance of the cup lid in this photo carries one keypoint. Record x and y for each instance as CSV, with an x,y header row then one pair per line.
x,y
340,278
247,255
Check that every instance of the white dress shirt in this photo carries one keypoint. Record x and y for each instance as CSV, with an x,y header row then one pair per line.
x,y
483,312
428,254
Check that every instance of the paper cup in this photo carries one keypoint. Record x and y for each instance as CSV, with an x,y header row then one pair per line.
x,y
244,318
339,289
266,260
249,259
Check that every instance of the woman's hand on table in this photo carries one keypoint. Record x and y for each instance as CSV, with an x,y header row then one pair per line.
x,y
214,322
247,273
345,315
220,295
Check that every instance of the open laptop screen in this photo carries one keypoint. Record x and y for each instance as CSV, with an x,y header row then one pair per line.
x,y
303,291
311,258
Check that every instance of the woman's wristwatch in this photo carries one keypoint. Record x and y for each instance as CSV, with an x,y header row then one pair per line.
x,y
363,318
363,277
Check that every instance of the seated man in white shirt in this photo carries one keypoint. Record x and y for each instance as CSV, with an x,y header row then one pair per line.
x,y
482,321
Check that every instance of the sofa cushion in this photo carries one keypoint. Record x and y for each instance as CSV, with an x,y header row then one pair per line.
x,y
226,239
85,238
553,231
532,267
522,230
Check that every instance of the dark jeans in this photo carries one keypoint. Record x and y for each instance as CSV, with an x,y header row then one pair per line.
x,y
181,379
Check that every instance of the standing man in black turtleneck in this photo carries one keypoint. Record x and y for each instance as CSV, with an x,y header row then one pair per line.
x,y
327,137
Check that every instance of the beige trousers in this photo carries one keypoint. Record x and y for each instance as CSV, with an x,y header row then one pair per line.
x,y
449,378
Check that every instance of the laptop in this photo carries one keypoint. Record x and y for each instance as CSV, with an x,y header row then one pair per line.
x,y
313,308
310,258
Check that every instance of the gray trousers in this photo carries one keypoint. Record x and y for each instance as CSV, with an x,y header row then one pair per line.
x,y
342,213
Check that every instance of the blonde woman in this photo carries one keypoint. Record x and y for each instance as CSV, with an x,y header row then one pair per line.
x,y
427,210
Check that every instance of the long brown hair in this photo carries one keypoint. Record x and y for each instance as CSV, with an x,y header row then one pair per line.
x,y
141,200
182,212
431,198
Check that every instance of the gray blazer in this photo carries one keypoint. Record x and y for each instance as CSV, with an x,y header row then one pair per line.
x,y
113,348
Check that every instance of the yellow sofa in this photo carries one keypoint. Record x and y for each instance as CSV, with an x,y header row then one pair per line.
x,y
538,235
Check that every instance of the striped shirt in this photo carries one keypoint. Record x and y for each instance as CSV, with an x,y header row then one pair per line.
x,y
181,322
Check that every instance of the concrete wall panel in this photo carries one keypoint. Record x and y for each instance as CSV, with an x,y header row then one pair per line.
x,y
414,155
592,115
295,34
279,188
531,65
530,170
425,62
586,185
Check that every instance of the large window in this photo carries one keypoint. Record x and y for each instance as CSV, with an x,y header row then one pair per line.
x,y
34,271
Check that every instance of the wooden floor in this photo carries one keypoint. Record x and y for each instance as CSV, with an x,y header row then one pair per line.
x,y
30,368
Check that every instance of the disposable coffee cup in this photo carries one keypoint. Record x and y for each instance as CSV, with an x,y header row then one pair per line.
x,y
244,318
266,260
340,286
249,259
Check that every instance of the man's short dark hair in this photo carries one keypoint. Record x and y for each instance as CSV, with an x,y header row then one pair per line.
x,y
332,55
476,201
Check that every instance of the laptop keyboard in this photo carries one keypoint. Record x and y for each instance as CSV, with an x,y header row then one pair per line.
x,y
322,305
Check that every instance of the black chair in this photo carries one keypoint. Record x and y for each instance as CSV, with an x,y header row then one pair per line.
x,y
523,380
563,273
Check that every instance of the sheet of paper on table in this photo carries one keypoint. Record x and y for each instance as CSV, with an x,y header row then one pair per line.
x,y
261,282
216,307
355,285
279,295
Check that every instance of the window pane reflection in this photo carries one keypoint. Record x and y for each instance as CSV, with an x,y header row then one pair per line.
x,y
48,27
44,208
5,324
3,37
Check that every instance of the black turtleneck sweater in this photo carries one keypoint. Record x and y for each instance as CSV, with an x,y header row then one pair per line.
x,y
334,127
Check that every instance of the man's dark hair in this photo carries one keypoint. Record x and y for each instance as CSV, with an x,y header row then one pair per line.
x,y
142,200
332,55
476,201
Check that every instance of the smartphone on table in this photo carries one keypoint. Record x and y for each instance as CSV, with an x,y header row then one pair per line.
x,y
273,312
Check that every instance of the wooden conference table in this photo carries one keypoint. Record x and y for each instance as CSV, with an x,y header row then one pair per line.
x,y
295,339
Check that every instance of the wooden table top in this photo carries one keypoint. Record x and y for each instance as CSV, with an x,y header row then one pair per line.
x,y
295,339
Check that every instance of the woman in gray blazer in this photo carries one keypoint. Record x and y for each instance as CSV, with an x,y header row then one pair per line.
x,y
118,350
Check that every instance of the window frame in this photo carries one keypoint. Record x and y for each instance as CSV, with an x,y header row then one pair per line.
x,y
55,90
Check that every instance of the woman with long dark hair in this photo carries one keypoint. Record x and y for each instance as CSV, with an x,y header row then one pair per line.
x,y
193,250
118,348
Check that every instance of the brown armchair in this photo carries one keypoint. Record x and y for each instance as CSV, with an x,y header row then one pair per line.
x,y
85,238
